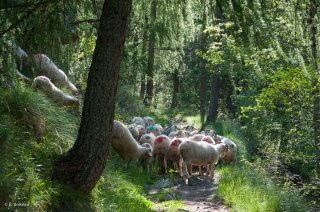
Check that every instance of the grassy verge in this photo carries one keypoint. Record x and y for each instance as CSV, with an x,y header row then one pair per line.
x,y
244,188
26,163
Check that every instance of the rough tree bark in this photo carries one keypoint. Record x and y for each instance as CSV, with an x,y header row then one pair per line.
x,y
82,166
152,42
315,81
214,98
176,85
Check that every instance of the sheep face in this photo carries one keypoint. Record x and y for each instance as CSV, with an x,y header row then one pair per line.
x,y
149,149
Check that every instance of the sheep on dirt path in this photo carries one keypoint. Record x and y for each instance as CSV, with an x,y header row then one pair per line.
x,y
200,153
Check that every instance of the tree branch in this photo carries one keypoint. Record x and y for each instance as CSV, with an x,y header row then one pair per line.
x,y
29,14
90,21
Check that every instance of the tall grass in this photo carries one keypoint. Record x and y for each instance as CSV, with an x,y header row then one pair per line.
x,y
26,163
244,188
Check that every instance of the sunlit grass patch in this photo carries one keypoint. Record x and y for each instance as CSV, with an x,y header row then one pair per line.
x,y
246,190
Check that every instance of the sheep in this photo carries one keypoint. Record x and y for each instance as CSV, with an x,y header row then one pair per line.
x,y
149,121
134,131
126,146
193,133
138,121
170,129
44,84
155,129
179,134
208,139
230,156
147,138
200,153
142,130
160,150
45,67
197,137
174,154
210,133
147,159
190,129
217,138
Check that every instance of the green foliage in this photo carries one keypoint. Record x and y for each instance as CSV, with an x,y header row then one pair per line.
x,y
282,120
247,186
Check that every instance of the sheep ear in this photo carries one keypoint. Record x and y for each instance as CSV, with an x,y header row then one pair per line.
x,y
150,152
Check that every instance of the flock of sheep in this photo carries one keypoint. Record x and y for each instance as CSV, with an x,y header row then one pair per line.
x,y
182,147
148,142
48,77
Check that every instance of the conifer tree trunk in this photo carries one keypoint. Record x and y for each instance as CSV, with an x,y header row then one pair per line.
x,y
82,166
152,42
315,82
214,98
175,92
215,81
144,59
203,71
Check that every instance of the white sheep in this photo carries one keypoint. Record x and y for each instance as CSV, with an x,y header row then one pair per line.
x,y
149,121
190,129
208,139
155,129
210,133
174,154
147,138
134,131
200,153
169,129
197,137
45,67
179,134
138,121
194,132
127,147
147,159
230,156
160,150
44,84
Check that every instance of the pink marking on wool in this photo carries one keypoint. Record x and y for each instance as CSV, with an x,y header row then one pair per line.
x,y
159,139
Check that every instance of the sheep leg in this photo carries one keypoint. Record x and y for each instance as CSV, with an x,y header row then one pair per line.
x,y
200,171
185,171
180,167
211,165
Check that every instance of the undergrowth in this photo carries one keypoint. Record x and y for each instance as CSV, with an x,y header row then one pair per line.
x,y
26,161
244,188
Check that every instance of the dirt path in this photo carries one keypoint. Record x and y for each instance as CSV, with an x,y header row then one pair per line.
x,y
197,196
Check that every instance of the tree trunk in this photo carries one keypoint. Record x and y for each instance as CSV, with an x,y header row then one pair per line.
x,y
144,59
152,41
203,71
142,85
82,166
316,84
176,85
213,109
